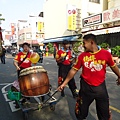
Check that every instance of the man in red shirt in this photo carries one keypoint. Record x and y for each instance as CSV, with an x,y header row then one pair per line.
x,y
63,59
92,85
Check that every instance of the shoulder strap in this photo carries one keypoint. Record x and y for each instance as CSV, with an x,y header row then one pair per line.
x,y
23,59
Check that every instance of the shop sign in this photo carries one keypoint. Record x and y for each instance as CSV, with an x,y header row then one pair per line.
x,y
71,17
92,20
111,15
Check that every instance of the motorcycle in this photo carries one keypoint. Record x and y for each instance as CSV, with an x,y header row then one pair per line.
x,y
14,52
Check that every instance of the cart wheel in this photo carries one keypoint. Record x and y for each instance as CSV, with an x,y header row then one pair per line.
x,y
25,115
52,107
50,87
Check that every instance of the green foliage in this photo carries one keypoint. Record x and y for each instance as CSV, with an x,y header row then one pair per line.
x,y
104,45
2,19
76,45
116,51
50,48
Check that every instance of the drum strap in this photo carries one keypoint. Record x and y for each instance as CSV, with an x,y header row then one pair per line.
x,y
23,59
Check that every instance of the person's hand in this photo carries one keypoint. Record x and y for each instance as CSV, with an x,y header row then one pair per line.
x,y
118,81
18,68
61,87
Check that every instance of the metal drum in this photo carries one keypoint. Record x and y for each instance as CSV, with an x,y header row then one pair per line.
x,y
34,81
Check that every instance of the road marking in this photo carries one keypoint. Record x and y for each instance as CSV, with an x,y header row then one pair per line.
x,y
11,103
110,72
6,97
3,89
12,106
115,109
4,84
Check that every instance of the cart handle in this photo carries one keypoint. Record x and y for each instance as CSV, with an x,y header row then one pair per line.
x,y
51,96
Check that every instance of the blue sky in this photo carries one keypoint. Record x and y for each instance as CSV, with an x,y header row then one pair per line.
x,y
13,10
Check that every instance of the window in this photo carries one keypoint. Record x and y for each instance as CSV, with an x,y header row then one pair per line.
x,y
95,1
28,35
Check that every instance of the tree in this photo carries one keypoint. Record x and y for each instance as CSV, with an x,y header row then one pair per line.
x,y
1,19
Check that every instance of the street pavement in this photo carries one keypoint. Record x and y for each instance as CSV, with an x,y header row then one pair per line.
x,y
64,108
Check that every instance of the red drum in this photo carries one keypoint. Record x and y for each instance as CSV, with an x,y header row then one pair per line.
x,y
34,81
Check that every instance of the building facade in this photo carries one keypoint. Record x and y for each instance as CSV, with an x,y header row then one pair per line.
x,y
31,31
106,26
64,17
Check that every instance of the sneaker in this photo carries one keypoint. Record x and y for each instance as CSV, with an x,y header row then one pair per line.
x,y
75,94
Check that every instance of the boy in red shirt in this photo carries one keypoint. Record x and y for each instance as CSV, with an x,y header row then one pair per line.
x,y
92,85
63,59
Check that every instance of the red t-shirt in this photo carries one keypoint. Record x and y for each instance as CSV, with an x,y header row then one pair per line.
x,y
20,56
94,66
64,53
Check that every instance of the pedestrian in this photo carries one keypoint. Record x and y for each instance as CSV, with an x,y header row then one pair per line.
x,y
54,52
63,59
80,48
20,49
92,79
108,49
3,55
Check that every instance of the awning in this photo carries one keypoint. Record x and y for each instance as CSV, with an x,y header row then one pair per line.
x,y
104,31
60,39
31,41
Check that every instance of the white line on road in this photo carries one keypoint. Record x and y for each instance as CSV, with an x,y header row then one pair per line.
x,y
6,98
11,103
12,106
4,84
3,89
110,72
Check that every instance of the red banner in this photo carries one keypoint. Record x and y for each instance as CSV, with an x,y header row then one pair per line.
x,y
12,29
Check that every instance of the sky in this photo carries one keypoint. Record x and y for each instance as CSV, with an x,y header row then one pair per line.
x,y
14,10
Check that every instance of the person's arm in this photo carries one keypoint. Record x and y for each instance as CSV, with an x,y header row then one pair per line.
x,y
70,75
58,57
115,69
16,65
59,60
15,62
